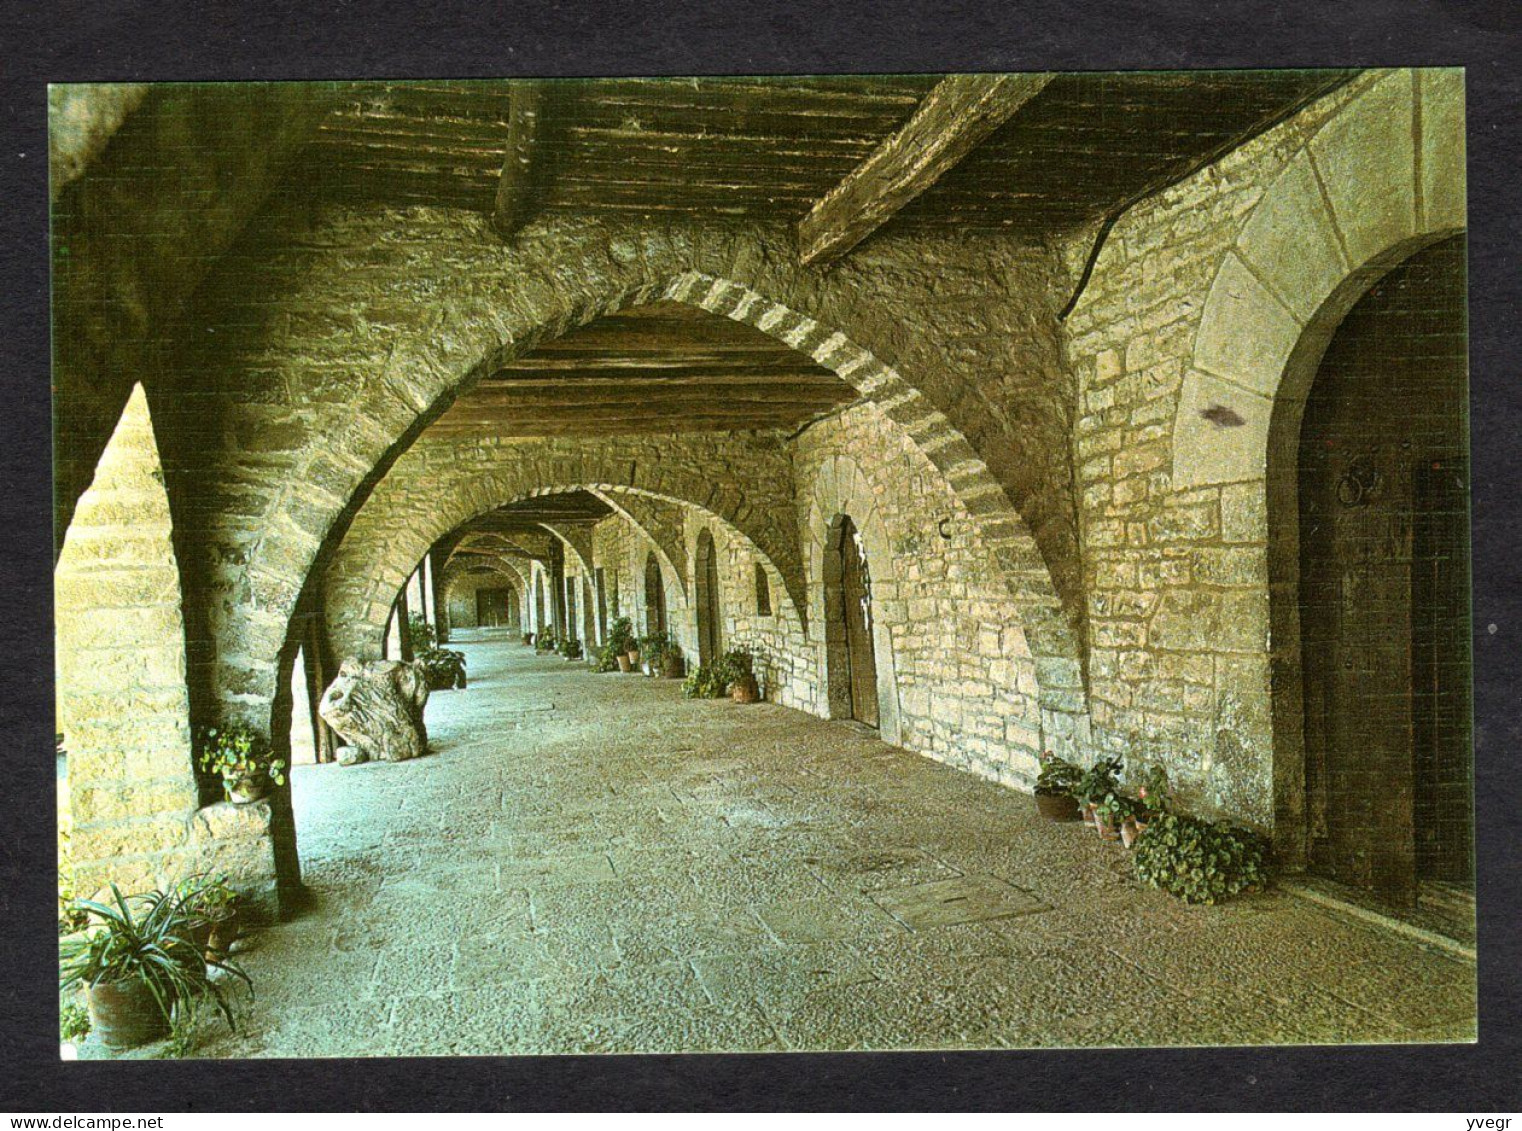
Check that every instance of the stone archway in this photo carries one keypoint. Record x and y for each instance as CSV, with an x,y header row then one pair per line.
x,y
301,527
1374,185
376,554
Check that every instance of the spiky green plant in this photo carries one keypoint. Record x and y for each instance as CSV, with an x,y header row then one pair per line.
x,y
148,936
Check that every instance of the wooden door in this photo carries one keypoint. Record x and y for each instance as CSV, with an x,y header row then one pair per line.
x,y
856,609
655,597
492,608
709,637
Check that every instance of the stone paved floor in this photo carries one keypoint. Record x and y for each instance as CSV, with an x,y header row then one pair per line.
x,y
590,863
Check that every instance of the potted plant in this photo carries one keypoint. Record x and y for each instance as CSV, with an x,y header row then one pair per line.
x,y
703,682
544,640
1116,815
212,907
1200,861
737,669
242,757
648,651
570,648
672,664
140,968
1095,784
443,668
621,642
608,659
1054,788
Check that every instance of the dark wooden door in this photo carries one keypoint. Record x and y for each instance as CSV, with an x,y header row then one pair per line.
x,y
655,597
492,609
856,608
709,639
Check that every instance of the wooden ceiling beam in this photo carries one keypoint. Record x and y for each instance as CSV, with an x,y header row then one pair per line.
x,y
955,116
518,188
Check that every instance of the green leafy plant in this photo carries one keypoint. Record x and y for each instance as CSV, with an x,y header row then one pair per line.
x,y
1199,861
421,636
735,665
607,658
206,897
652,648
545,641
150,937
621,636
443,668
570,648
704,682
238,752
1058,777
1097,782
73,1022
1154,791
1114,808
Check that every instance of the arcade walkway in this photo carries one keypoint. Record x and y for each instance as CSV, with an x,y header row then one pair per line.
x,y
590,863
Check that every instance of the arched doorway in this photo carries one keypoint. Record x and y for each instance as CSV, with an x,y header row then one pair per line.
x,y
655,597
1384,587
707,577
851,656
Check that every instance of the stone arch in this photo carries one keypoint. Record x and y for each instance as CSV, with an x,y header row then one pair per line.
x,y
661,524
456,571
374,559
302,520
1377,183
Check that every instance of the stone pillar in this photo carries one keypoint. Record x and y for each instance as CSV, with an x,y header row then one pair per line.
x,y
123,702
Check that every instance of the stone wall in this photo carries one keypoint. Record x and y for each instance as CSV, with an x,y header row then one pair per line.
x,y
461,586
1203,301
967,683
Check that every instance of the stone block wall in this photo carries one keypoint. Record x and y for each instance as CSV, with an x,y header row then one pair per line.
x,y
967,687
1199,328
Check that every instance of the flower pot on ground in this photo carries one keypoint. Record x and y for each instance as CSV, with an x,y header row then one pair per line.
x,y
624,663
703,683
1129,831
673,666
443,668
736,670
1094,785
242,757
212,907
1114,813
140,967
1054,788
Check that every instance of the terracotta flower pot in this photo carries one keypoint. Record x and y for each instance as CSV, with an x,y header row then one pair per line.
x,y
633,655
1057,807
1129,832
1107,829
745,690
223,933
623,663
247,789
1087,812
125,1014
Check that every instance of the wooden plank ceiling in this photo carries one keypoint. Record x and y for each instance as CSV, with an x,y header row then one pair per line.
x,y
666,367
517,529
773,147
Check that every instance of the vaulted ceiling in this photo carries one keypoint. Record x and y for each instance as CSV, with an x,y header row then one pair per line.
x,y
660,368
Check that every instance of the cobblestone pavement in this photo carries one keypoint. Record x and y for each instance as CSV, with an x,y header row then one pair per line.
x,y
590,863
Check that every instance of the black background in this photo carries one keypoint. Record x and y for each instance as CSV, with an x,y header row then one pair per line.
x,y
217,39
